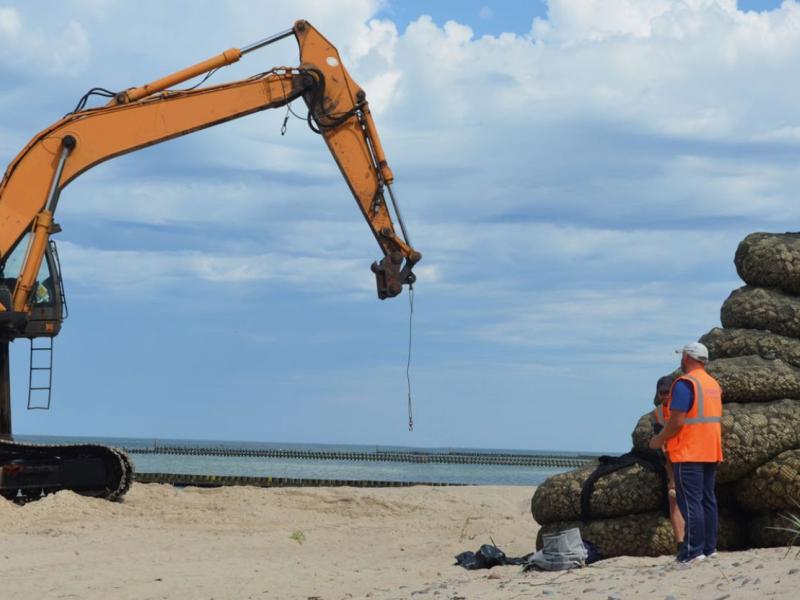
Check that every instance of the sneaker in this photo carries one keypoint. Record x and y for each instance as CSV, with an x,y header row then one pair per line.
x,y
680,553
693,561
714,554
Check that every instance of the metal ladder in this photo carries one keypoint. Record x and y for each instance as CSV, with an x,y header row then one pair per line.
x,y
48,361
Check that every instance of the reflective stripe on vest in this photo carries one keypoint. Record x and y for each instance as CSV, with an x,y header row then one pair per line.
x,y
701,409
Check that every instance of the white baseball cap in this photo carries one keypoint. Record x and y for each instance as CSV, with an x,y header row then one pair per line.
x,y
694,350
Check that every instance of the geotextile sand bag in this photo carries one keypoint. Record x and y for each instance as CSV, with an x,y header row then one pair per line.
x,y
733,532
767,529
632,489
775,485
752,434
644,534
755,379
761,308
770,260
643,432
728,343
756,359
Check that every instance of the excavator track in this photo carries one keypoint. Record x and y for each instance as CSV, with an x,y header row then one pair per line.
x,y
31,471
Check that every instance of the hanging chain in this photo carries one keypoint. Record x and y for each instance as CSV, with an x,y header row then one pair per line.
x,y
408,364
285,121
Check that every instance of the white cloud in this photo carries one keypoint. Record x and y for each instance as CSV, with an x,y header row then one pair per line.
x,y
674,68
576,21
542,126
10,22
585,322
96,8
58,50
573,186
150,273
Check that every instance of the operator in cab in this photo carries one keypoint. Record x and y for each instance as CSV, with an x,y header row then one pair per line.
x,y
692,437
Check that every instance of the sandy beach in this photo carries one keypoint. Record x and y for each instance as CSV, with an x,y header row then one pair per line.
x,y
329,544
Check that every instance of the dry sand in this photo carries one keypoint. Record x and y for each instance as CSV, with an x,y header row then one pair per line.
x,y
328,544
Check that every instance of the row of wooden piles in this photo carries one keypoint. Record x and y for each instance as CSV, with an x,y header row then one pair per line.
x,y
755,356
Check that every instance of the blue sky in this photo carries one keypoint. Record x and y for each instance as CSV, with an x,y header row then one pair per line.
x,y
494,18
484,18
577,175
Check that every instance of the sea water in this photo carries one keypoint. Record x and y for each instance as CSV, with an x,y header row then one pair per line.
x,y
319,469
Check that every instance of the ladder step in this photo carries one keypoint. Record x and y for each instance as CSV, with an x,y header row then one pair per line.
x,y
49,377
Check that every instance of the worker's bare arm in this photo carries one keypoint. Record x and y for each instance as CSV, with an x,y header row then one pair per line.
x,y
671,429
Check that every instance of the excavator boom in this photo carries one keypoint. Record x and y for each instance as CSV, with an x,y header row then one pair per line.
x,y
142,116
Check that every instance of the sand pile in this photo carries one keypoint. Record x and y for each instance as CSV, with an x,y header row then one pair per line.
x,y
755,356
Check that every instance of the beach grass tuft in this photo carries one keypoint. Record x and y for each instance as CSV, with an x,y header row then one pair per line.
x,y
298,536
792,527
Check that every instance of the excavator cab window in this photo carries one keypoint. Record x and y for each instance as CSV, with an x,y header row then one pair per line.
x,y
47,301
47,297
43,293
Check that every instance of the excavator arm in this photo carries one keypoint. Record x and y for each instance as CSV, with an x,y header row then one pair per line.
x,y
140,117
134,119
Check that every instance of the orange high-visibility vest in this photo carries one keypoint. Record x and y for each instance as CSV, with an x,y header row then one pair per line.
x,y
700,438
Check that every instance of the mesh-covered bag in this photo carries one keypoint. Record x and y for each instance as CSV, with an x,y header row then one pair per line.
x,y
755,379
775,485
752,434
762,308
769,529
728,343
645,534
632,489
770,260
643,432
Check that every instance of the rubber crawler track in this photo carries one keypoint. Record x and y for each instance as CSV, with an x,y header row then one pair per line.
x,y
117,468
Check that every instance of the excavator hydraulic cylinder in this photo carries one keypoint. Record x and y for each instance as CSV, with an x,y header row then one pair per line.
x,y
228,57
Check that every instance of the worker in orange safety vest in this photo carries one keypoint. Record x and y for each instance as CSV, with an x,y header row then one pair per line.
x,y
692,436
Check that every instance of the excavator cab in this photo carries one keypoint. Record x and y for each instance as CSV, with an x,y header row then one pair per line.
x,y
48,303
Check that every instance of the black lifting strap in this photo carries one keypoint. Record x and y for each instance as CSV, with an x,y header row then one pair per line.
x,y
610,464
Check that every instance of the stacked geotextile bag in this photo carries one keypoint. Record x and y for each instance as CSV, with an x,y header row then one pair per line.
x,y
755,356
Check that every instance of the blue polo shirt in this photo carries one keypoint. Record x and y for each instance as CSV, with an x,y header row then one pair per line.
x,y
682,396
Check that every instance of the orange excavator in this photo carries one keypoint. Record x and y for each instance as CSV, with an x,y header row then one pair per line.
x,y
32,303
